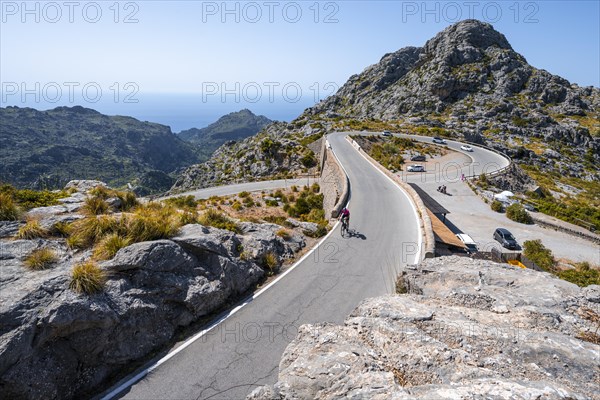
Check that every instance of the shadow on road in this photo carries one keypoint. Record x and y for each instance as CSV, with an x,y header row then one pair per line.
x,y
353,233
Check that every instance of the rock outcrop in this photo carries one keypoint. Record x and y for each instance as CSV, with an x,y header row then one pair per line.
x,y
463,329
58,344
276,152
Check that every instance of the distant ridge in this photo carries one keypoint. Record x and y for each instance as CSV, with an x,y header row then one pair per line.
x,y
234,126
49,148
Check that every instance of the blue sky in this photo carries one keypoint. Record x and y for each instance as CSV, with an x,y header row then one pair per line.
x,y
172,52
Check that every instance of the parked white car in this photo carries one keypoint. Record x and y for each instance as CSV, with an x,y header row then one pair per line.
x,y
466,147
468,242
416,168
439,140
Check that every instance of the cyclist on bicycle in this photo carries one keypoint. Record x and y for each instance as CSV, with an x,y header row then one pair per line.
x,y
345,216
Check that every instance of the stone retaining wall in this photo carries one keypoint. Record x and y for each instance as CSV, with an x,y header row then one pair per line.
x,y
334,184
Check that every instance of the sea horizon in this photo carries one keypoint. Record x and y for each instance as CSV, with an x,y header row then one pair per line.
x,y
178,111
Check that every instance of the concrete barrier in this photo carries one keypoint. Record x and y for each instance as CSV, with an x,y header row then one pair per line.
x,y
426,226
335,184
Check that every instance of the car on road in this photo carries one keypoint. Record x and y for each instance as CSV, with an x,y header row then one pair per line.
x,y
468,242
466,147
418,158
416,168
506,239
439,140
387,133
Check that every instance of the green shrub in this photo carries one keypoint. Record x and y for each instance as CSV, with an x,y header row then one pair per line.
x,y
237,206
320,232
182,201
9,211
539,254
94,206
294,188
582,275
109,245
269,146
244,194
275,219
497,206
271,203
517,213
87,278
308,160
216,219
315,215
31,230
315,187
249,202
27,199
306,202
41,259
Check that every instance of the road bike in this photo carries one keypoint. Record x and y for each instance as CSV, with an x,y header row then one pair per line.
x,y
344,228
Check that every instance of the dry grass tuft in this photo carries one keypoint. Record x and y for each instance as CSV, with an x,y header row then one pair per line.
x,y
31,230
109,245
41,259
87,278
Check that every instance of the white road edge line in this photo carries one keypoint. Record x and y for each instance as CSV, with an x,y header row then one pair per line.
x,y
420,240
200,334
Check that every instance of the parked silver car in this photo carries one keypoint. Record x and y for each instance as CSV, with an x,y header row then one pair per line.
x,y
416,168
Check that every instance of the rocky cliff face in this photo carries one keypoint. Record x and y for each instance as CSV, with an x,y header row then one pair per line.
x,y
233,126
463,329
49,148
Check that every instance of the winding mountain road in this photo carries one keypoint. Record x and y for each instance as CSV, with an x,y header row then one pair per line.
x,y
243,350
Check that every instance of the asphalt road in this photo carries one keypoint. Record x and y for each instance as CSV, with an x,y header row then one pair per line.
x,y
480,160
247,186
244,350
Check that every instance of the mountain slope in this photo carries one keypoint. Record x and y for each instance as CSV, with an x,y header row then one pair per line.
x,y
49,148
467,82
233,126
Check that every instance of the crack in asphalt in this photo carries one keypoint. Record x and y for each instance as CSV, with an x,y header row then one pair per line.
x,y
255,383
218,372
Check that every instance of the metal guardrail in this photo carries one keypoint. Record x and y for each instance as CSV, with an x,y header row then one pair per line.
x,y
493,173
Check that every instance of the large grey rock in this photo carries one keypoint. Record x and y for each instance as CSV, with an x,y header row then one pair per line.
x,y
199,238
158,255
260,239
76,197
54,210
50,221
466,329
84,185
9,228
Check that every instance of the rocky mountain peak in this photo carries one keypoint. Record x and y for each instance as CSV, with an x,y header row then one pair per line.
x,y
467,33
